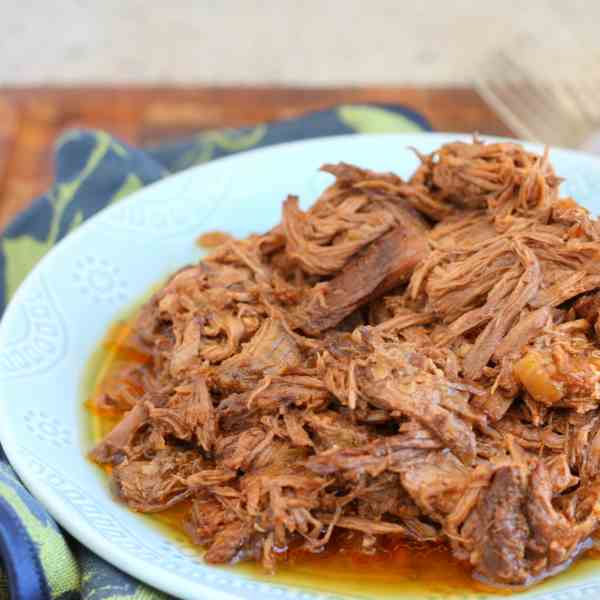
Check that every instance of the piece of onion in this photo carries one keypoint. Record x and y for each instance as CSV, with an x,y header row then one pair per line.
x,y
537,379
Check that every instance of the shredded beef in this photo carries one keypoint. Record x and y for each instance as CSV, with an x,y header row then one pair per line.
x,y
412,358
384,265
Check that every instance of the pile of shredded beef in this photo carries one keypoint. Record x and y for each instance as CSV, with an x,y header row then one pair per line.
x,y
418,358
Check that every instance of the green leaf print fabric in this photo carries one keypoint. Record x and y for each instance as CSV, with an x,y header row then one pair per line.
x,y
94,170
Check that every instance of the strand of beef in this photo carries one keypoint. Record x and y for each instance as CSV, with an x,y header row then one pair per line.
x,y
415,358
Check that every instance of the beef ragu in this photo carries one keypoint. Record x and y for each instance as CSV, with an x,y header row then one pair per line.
x,y
410,358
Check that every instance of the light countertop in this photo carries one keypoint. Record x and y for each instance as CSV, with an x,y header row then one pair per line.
x,y
308,42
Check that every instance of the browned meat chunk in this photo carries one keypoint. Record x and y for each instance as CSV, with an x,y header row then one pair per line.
x,y
502,530
271,351
228,541
309,236
588,307
530,326
156,484
383,265
120,437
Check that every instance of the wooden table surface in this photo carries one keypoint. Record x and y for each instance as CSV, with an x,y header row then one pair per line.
x,y
32,118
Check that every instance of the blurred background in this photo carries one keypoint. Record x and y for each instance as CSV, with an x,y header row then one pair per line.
x,y
309,42
148,71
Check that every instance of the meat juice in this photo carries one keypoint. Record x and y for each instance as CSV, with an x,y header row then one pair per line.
x,y
393,569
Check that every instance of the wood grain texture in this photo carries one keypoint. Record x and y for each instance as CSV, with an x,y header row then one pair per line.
x,y
32,118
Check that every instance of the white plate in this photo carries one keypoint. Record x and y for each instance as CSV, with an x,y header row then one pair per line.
x,y
61,312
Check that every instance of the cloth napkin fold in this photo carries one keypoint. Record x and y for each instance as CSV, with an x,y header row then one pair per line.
x,y
92,171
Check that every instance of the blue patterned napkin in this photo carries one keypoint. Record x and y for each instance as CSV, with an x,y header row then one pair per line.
x,y
94,170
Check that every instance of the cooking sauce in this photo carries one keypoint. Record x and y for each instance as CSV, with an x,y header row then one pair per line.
x,y
397,569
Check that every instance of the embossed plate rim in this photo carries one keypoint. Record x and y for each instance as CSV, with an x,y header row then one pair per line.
x,y
23,450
